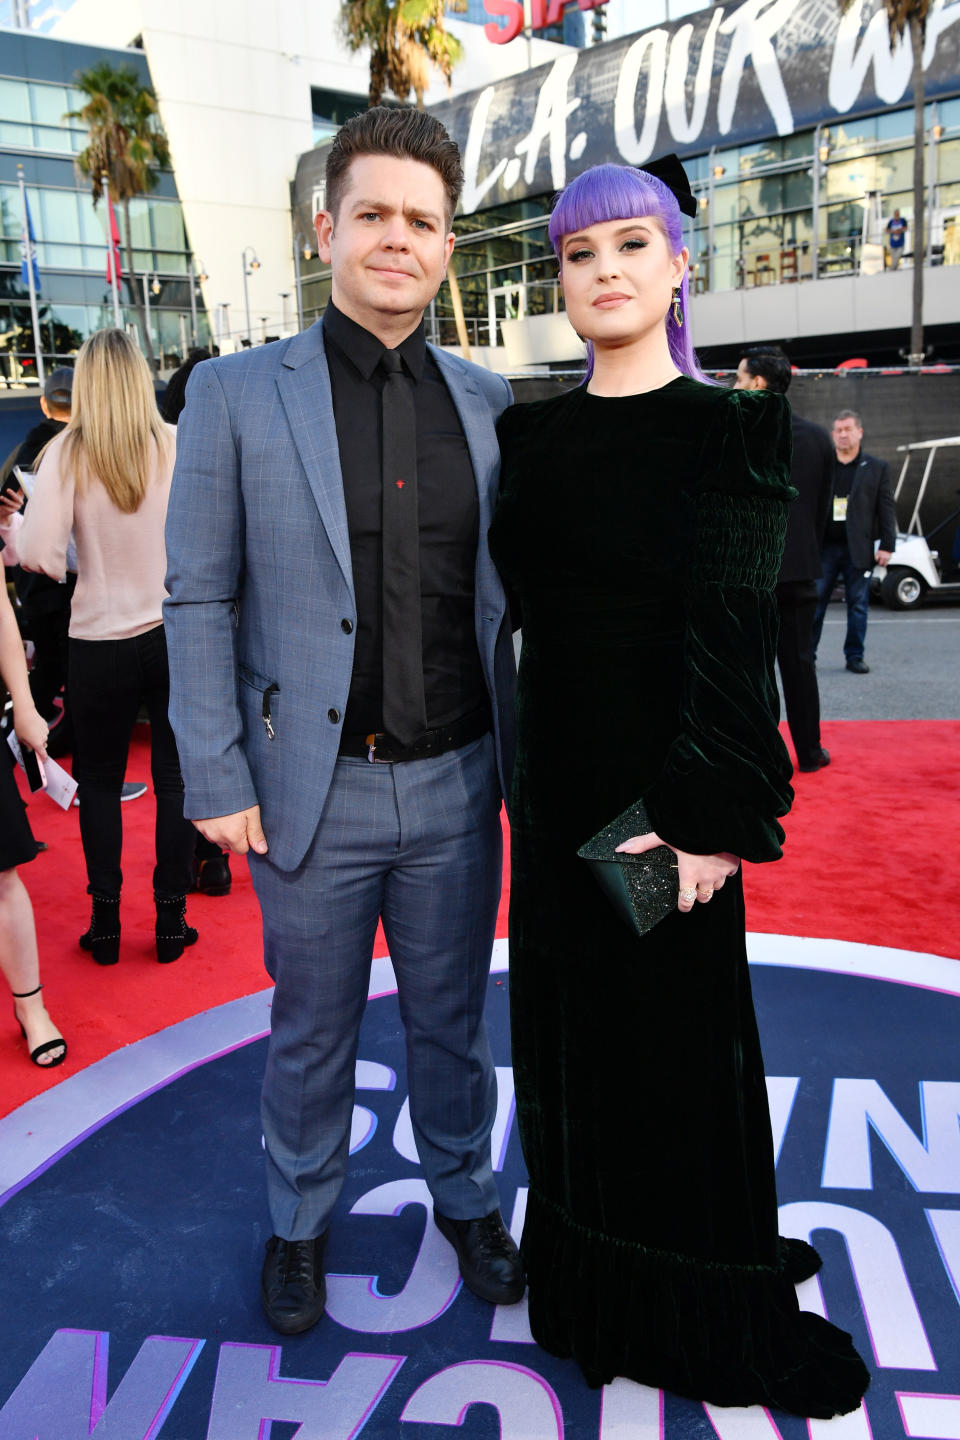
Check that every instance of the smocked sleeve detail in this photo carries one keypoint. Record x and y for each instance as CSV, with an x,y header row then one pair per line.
x,y
725,782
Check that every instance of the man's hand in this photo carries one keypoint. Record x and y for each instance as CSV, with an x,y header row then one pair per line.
x,y
239,833
883,557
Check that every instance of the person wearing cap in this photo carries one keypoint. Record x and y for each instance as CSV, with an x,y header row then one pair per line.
x,y
44,603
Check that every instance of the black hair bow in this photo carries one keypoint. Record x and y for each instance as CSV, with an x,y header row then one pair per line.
x,y
672,174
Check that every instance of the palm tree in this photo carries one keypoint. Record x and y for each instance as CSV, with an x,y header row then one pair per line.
x,y
127,144
910,17
405,38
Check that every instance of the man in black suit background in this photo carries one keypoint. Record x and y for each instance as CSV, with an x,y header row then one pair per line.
x,y
863,509
766,367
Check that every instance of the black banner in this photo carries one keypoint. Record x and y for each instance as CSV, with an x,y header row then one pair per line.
x,y
730,75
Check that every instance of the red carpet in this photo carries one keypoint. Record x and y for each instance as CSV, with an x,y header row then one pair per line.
x,y
867,859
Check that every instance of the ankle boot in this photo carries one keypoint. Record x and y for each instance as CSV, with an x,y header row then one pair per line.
x,y
173,932
103,938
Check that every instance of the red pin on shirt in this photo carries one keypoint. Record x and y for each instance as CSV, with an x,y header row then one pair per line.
x,y
400,484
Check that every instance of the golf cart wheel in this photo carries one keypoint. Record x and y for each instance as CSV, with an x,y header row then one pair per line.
x,y
902,589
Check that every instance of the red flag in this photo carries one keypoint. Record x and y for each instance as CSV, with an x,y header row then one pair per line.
x,y
113,253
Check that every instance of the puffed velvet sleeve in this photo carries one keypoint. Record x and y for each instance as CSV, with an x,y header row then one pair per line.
x,y
726,777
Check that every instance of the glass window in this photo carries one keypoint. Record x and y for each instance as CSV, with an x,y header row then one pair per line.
x,y
798,147
726,203
11,214
948,160
753,156
894,171
849,179
45,137
895,125
798,188
902,201
839,222
64,328
14,100
49,103
140,224
92,223
172,262
20,137
56,215
168,226
854,134
949,113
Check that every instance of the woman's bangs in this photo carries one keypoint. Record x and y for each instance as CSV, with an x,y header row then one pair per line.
x,y
607,192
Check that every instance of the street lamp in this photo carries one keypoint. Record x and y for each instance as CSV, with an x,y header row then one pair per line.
x,y
146,307
249,265
195,279
222,318
299,244
284,297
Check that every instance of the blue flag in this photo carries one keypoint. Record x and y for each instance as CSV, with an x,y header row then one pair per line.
x,y
28,249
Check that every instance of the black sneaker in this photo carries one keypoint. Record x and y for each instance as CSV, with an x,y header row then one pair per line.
x,y
489,1259
292,1285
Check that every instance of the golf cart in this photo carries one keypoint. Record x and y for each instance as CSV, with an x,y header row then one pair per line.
x,y
914,568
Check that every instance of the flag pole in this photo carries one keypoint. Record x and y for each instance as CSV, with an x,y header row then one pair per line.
x,y
35,318
112,252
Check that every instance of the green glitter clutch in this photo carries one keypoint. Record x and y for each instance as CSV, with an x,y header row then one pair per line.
x,y
643,889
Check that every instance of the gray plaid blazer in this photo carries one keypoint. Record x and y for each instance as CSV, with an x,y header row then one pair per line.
x,y
260,580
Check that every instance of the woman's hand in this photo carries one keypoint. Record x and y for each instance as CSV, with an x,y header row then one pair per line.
x,y
699,875
11,503
32,730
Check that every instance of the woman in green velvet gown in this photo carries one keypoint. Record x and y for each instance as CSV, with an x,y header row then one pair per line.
x,y
640,525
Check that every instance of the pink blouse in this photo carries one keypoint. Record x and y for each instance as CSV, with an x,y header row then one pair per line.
x,y
121,559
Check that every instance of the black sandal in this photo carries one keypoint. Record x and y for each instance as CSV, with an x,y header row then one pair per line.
x,y
48,1045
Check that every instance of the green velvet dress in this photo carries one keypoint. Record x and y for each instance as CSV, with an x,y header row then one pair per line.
x,y
641,536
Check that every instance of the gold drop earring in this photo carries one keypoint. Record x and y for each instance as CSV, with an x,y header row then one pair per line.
x,y
677,308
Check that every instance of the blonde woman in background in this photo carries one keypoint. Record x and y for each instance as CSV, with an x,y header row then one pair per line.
x,y
106,478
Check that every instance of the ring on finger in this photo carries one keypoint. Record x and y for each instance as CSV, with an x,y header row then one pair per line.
x,y
688,892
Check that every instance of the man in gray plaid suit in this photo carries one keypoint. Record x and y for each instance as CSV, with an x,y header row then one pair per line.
x,y
299,623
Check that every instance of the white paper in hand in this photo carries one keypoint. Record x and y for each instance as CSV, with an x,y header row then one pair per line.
x,y
60,786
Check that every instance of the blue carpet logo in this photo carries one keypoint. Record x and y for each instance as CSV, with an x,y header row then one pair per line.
x,y
134,1222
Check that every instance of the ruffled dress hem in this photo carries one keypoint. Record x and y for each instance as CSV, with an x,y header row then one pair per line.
x,y
722,1333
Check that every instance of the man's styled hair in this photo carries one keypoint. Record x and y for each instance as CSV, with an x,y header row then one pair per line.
x,y
394,130
849,415
771,364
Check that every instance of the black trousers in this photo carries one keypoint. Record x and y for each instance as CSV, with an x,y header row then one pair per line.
x,y
108,681
797,603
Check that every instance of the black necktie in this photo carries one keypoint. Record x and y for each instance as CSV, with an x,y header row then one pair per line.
x,y
404,707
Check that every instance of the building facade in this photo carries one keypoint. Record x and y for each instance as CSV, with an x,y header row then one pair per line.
x,y
243,90
795,124
36,93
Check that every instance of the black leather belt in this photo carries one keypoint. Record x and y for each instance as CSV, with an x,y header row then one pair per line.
x,y
381,749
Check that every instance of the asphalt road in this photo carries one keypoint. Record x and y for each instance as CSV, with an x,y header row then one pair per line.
x,y
914,660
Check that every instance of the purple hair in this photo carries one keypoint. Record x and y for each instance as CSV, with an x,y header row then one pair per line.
x,y
619,192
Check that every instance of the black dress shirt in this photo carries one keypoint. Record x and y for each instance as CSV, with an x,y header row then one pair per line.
x,y
449,525
843,473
